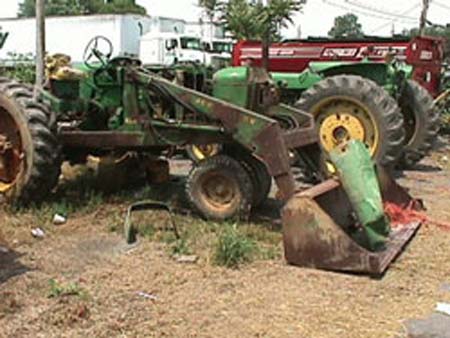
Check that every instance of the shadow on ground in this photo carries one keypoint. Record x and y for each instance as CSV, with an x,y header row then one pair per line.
x,y
10,265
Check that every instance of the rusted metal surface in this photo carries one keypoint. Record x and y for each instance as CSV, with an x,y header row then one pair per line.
x,y
317,224
101,139
260,134
130,230
10,149
296,138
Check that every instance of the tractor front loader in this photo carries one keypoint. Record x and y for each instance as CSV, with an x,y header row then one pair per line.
x,y
117,106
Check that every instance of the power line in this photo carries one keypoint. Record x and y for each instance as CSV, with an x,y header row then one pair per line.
x,y
364,13
378,10
395,20
439,4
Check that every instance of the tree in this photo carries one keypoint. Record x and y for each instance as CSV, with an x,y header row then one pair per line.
x,y
250,20
210,8
346,26
27,8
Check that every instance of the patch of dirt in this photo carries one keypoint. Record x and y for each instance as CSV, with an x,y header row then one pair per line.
x,y
140,291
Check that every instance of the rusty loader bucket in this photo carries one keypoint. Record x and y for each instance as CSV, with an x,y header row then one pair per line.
x,y
340,224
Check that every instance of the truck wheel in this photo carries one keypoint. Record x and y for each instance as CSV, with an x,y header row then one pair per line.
x,y
219,188
421,122
260,177
30,160
198,153
351,107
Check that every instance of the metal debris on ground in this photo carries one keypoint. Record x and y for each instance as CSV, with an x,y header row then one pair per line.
x,y
129,228
59,219
187,259
38,233
147,295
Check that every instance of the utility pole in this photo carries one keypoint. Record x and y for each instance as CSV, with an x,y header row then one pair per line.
x,y
423,16
40,45
266,44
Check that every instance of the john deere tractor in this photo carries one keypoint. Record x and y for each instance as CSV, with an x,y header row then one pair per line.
x,y
116,106
376,103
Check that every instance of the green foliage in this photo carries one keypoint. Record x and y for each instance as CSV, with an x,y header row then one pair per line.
x,y
58,290
27,8
346,26
250,20
233,248
23,70
210,7
180,247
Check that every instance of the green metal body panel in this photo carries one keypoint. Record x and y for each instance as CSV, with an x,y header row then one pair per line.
x,y
389,76
359,179
231,85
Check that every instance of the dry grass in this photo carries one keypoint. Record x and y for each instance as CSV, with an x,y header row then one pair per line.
x,y
265,298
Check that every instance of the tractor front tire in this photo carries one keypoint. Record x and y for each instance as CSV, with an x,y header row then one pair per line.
x,y
30,158
421,122
219,188
352,107
260,177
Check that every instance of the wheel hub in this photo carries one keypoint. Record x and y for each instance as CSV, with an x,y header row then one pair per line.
x,y
338,128
219,191
341,118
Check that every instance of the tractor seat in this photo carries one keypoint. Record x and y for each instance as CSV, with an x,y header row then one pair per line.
x,y
58,67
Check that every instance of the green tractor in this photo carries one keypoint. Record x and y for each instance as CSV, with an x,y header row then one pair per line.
x,y
115,106
376,103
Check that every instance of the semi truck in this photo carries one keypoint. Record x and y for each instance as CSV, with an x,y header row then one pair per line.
x,y
154,40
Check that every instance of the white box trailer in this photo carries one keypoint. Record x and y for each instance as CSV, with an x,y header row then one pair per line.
x,y
71,34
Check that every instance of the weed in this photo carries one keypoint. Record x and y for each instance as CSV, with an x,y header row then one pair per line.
x,y
180,247
72,289
233,248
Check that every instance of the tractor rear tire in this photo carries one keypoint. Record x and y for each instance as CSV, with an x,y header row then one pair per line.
x,y
30,156
349,106
219,188
421,123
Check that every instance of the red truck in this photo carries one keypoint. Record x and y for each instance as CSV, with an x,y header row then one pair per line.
x,y
425,54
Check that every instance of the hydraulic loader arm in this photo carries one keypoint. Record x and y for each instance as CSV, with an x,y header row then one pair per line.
x,y
260,134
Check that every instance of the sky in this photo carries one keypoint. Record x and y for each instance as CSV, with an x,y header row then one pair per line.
x,y
377,17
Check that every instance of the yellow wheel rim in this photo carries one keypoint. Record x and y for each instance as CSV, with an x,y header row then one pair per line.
x,y
341,118
205,151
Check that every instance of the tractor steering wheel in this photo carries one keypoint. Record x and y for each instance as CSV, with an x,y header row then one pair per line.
x,y
100,49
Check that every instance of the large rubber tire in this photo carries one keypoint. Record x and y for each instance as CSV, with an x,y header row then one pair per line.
x,y
421,122
385,114
36,140
214,173
260,177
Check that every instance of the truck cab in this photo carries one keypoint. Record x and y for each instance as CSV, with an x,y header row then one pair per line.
x,y
170,48
218,53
